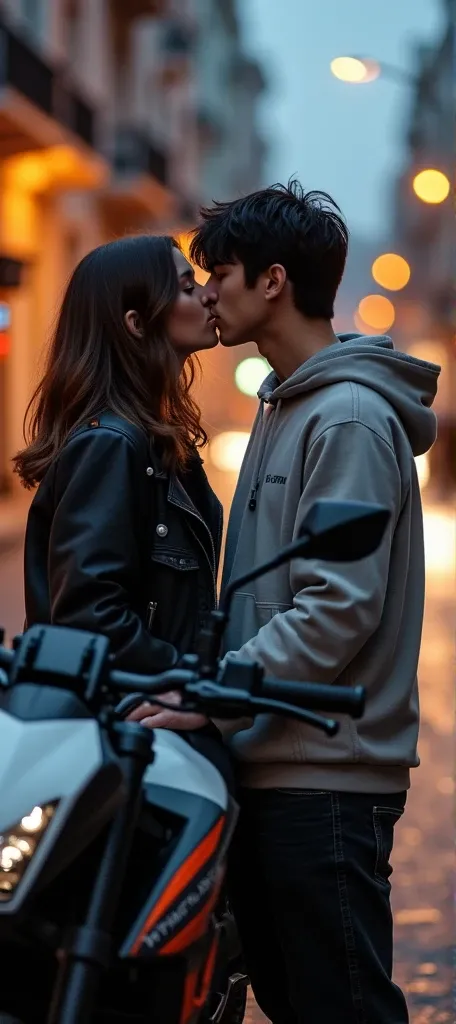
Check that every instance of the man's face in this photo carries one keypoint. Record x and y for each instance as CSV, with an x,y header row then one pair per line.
x,y
240,311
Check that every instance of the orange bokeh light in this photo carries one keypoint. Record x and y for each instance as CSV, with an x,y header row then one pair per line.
x,y
376,311
431,186
391,271
201,276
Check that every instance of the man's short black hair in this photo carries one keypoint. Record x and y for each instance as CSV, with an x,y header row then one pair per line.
x,y
304,231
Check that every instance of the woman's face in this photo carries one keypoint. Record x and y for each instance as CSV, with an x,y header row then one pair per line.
x,y
189,324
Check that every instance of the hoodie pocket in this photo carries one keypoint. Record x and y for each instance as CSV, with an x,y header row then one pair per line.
x,y
247,617
266,610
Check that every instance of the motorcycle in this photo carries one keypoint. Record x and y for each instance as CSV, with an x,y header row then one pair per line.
x,y
113,838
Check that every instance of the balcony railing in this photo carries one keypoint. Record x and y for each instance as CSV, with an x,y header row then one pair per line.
x,y
135,154
23,69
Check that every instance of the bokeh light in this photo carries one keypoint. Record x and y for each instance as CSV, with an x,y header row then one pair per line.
x,y
250,374
227,450
183,240
431,186
377,311
391,271
355,70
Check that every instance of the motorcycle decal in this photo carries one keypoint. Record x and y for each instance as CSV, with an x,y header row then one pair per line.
x,y
200,857
197,985
196,928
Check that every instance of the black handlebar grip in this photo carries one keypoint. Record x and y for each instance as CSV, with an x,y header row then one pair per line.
x,y
341,700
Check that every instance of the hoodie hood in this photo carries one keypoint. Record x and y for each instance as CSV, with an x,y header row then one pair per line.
x,y
408,384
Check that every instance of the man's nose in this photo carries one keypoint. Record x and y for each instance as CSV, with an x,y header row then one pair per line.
x,y
209,295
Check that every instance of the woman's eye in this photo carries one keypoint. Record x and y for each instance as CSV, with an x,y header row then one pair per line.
x,y
190,289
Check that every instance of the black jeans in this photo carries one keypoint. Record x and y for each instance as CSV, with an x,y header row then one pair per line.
x,y
309,883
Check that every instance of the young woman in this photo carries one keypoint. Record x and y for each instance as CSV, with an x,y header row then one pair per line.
x,y
124,532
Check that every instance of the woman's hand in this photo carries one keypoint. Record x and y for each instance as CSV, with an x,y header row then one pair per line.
x,y
155,717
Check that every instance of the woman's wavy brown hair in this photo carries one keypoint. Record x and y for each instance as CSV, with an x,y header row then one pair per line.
x,y
95,364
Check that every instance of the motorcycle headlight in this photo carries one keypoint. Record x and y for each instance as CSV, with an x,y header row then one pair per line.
x,y
18,844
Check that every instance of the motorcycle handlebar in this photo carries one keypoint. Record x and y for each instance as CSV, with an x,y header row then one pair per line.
x,y
308,696
172,679
341,700
312,696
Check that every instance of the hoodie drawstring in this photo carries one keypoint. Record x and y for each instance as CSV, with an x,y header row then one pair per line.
x,y
266,429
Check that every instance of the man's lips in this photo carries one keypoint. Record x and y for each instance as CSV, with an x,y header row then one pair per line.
x,y
212,319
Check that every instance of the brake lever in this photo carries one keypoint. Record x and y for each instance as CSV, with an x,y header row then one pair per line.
x,y
279,707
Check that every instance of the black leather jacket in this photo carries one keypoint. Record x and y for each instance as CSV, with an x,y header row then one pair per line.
x,y
116,545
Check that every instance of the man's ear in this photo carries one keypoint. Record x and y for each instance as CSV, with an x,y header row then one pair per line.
x,y
132,321
276,279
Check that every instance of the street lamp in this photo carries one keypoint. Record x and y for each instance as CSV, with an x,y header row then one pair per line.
x,y
355,70
359,70
430,185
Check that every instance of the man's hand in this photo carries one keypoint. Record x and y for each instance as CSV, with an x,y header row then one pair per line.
x,y
155,717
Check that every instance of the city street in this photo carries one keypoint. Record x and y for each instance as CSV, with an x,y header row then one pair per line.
x,y
423,860
144,144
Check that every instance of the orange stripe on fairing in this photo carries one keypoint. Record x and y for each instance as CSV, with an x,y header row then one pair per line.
x,y
181,880
195,928
188,1002
194,1000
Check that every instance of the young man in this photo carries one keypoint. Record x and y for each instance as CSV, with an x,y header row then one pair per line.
x,y
341,418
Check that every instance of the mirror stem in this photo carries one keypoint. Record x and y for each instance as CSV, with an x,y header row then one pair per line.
x,y
210,638
285,555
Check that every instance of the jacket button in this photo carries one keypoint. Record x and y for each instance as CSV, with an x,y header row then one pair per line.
x,y
149,471
162,530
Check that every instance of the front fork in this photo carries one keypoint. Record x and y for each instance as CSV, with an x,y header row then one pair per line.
x,y
86,951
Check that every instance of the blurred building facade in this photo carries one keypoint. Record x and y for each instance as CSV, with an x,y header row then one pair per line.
x,y
422,317
115,116
228,87
424,233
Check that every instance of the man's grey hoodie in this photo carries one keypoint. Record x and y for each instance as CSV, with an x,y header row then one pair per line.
x,y
346,425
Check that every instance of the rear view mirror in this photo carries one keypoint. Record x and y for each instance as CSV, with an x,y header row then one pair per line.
x,y
343,531
336,531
